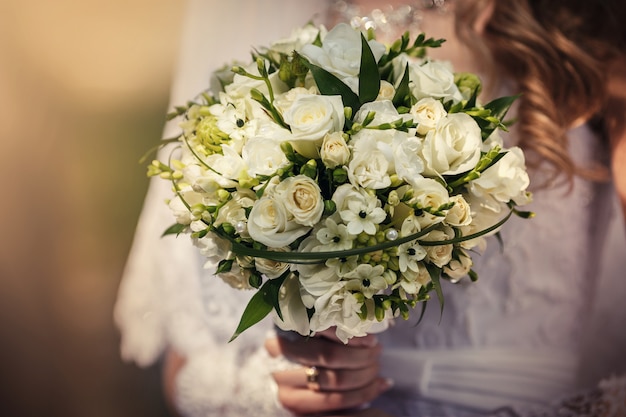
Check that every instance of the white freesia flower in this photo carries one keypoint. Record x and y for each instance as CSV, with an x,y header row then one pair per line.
x,y
334,151
506,180
233,210
366,279
453,146
269,223
302,198
237,277
263,157
228,167
241,86
426,113
334,237
294,313
310,118
411,281
408,161
409,255
362,213
340,53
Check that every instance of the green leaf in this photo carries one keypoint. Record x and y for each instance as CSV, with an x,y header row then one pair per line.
x,y
174,229
435,274
403,91
256,310
369,77
330,85
225,265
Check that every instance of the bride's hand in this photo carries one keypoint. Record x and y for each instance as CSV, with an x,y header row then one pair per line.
x,y
341,376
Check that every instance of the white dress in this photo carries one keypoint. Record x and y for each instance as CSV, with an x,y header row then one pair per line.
x,y
517,337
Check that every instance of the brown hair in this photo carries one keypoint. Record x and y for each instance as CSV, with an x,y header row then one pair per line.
x,y
557,51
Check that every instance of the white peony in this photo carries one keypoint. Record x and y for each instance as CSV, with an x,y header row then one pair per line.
x,y
310,118
453,147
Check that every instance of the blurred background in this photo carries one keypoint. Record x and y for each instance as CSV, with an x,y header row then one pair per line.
x,y
83,92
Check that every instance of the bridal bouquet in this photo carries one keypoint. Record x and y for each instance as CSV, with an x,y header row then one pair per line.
x,y
340,179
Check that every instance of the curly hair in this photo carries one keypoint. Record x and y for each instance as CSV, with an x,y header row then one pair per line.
x,y
557,52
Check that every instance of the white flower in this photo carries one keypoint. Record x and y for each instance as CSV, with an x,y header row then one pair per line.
x,y
241,86
506,180
229,166
339,307
299,37
237,277
428,193
439,255
310,118
366,279
342,266
334,151
453,147
368,168
270,268
340,53
408,160
411,281
386,92
458,267
409,255
233,210
263,156
431,79
302,198
362,213
269,224
334,237
460,214
426,113
292,309
180,210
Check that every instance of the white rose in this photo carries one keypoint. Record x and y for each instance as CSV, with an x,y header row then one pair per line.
x,y
270,268
334,151
263,157
458,268
269,223
433,79
460,214
439,255
340,53
506,180
426,113
311,117
283,102
302,199
429,193
453,147
295,317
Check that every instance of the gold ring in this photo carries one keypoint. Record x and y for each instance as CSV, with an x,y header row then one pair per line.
x,y
311,378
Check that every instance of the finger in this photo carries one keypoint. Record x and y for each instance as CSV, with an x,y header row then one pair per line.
x,y
323,353
329,379
304,401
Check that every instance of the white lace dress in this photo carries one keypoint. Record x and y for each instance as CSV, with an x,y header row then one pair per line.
x,y
527,333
